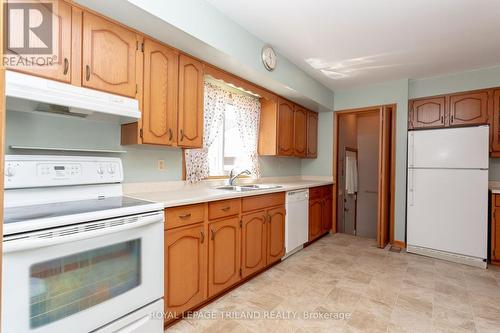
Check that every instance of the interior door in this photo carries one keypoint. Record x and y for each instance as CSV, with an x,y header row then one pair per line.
x,y
159,121
383,209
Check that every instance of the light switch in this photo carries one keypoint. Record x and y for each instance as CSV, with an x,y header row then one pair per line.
x,y
160,164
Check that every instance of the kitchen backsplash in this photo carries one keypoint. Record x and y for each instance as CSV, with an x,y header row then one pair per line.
x,y
140,162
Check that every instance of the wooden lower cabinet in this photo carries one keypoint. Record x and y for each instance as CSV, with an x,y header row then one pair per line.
x,y
495,229
185,268
275,234
315,212
253,242
224,254
320,211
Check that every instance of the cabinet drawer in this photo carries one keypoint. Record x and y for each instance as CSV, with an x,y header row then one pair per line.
x,y
497,200
315,192
218,209
184,215
262,201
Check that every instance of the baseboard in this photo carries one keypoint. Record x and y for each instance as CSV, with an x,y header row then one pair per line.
x,y
443,255
399,244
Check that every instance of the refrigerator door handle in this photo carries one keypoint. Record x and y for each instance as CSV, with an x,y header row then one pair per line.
x,y
411,188
411,149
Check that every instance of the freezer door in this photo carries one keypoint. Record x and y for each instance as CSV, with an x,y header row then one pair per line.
x,y
465,147
447,210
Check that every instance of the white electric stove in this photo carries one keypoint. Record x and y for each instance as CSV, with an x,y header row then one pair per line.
x,y
78,256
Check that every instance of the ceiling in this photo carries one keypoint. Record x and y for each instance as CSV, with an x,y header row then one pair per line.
x,y
345,43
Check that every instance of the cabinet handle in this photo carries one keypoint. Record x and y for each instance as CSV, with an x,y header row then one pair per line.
x,y
185,216
87,72
451,118
66,66
442,119
182,135
225,209
170,134
212,234
202,237
268,218
264,219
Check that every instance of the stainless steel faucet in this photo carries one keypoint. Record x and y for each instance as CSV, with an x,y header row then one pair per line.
x,y
233,177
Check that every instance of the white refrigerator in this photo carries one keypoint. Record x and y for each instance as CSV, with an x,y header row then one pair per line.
x,y
447,203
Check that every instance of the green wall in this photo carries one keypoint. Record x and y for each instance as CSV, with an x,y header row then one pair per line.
x,y
46,130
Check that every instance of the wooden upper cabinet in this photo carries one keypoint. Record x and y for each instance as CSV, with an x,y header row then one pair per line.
x,y
275,234
190,123
312,134
285,128
495,123
109,56
428,113
185,268
469,108
299,131
224,256
159,116
315,218
60,69
253,243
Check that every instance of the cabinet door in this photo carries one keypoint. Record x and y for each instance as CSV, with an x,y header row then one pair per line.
x,y
223,254
326,218
190,124
159,117
109,56
315,218
312,134
495,232
253,243
185,268
428,113
275,234
495,123
60,68
285,128
469,109
299,131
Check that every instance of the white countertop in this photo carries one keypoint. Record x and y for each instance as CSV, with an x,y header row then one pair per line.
x,y
494,187
198,194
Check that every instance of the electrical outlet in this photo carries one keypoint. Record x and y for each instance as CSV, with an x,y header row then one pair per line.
x,y
160,164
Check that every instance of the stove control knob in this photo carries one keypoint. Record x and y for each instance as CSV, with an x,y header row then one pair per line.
x,y
111,169
100,170
10,171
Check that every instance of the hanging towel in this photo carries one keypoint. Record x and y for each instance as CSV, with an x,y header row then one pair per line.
x,y
351,175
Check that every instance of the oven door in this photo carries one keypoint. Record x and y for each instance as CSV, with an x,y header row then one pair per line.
x,y
79,278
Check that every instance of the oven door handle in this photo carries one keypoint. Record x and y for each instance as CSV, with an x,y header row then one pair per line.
x,y
31,242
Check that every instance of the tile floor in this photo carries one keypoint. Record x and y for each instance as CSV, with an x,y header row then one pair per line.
x,y
383,291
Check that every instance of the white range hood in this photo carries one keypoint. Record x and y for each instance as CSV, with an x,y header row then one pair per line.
x,y
30,93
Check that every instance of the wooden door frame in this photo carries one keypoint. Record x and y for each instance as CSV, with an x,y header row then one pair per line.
x,y
357,111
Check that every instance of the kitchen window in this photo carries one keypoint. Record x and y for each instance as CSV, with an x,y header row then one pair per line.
x,y
231,131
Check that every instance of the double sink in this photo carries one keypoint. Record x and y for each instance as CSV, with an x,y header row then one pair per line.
x,y
250,187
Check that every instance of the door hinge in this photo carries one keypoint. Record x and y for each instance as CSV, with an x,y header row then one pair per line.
x,y
141,132
241,272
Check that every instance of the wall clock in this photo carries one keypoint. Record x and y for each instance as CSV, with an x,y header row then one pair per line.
x,y
269,58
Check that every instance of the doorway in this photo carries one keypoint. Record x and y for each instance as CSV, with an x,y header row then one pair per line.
x,y
364,161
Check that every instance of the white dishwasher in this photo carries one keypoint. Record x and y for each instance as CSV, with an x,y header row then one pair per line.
x,y
297,220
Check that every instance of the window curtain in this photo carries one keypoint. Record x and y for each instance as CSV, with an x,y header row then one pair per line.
x,y
215,101
248,120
